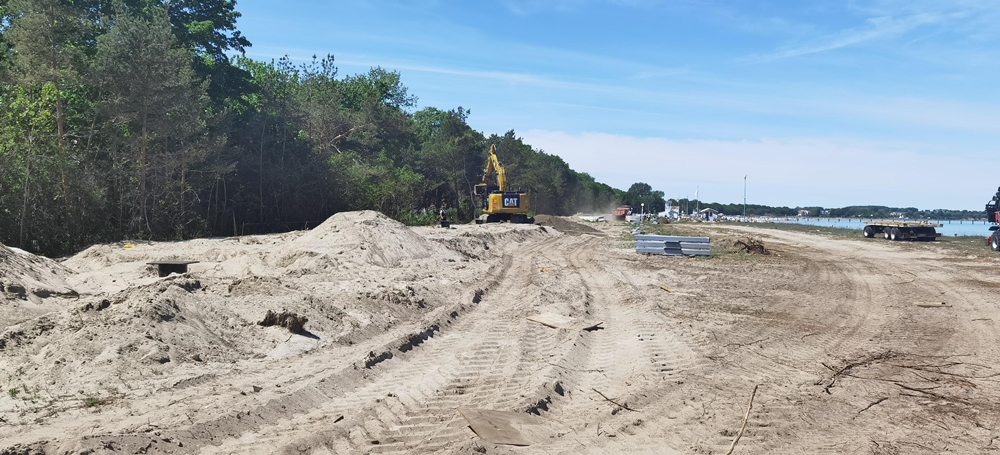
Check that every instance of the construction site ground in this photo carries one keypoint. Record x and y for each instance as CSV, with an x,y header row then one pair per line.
x,y
845,340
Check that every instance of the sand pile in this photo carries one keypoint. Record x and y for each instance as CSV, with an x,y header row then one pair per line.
x,y
483,242
135,333
362,238
23,274
130,333
566,226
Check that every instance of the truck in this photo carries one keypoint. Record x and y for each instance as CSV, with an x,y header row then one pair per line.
x,y
902,230
992,215
497,201
622,212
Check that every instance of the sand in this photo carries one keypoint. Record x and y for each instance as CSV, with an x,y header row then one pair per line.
x,y
404,326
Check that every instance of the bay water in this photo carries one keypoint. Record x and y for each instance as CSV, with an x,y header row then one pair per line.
x,y
949,228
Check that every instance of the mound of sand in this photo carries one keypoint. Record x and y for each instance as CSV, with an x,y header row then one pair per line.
x,y
366,237
130,334
565,226
483,242
23,274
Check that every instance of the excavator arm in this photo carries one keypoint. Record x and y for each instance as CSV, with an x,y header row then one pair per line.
x,y
493,166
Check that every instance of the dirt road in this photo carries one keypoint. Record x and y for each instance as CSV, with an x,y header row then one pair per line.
x,y
826,328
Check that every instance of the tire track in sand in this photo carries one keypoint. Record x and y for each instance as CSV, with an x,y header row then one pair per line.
x,y
488,359
634,361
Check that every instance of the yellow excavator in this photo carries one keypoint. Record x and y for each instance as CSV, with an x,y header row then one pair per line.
x,y
498,204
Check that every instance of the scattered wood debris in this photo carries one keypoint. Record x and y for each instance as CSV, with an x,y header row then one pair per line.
x,y
745,418
751,245
609,400
556,321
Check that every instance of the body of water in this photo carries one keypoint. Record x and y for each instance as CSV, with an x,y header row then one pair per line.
x,y
948,228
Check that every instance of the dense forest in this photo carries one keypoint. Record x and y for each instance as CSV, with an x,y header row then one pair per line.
x,y
140,119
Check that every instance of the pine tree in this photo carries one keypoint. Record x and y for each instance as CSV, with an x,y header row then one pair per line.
x,y
156,120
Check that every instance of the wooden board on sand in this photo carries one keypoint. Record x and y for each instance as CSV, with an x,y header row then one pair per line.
x,y
503,427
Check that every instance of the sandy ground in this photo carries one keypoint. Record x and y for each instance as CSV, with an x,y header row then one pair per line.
x,y
406,326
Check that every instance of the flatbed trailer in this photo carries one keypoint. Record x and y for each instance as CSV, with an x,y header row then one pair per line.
x,y
902,230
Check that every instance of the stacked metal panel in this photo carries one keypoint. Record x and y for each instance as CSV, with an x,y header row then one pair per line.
x,y
672,245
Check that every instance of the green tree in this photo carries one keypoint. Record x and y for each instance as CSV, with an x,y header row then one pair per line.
x,y
453,156
47,35
6,48
155,121
642,195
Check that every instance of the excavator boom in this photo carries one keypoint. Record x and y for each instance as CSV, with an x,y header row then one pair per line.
x,y
493,166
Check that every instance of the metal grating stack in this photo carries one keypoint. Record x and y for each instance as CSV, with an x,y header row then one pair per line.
x,y
672,245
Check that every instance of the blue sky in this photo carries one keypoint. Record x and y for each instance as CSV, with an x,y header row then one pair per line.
x,y
819,103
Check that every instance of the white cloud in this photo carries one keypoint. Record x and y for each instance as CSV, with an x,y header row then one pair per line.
x,y
793,171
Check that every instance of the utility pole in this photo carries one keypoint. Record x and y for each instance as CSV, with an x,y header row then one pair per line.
x,y
697,202
744,198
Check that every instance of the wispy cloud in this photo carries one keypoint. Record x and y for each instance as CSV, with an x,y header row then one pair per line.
x,y
495,75
661,73
876,28
526,7
638,100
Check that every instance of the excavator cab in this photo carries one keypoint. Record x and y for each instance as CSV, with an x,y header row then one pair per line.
x,y
992,208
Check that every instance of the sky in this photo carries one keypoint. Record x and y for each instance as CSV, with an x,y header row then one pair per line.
x,y
882,102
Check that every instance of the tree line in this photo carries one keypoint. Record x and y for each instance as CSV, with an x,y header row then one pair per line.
x,y
129,119
912,213
854,211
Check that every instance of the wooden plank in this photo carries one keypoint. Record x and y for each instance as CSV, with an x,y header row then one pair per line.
x,y
500,427
553,320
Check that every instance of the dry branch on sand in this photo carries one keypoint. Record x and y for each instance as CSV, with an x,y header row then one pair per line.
x,y
751,245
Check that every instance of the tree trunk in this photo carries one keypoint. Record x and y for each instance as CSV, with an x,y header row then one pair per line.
x,y
27,181
260,183
142,171
183,208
